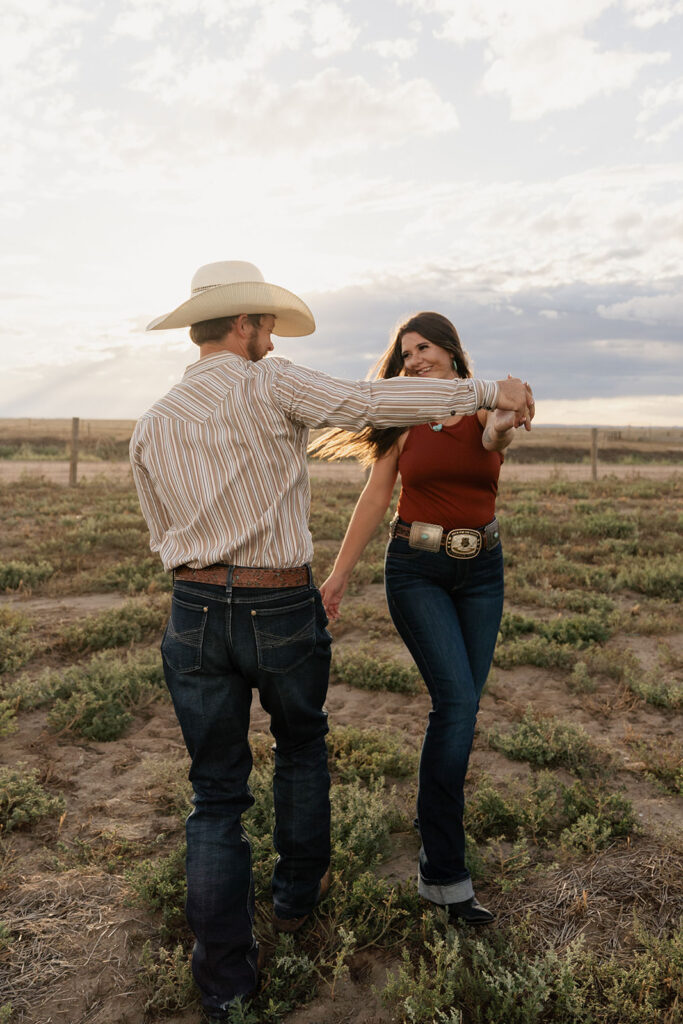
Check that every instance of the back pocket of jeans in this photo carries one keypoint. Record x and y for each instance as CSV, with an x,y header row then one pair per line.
x,y
285,636
181,646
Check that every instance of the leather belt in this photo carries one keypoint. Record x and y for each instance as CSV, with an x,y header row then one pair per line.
x,y
245,576
458,543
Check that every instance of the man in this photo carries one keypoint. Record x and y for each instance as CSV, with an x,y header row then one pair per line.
x,y
220,468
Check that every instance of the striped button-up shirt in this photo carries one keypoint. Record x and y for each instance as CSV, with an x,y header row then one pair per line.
x,y
219,462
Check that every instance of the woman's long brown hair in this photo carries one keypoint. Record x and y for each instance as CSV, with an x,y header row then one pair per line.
x,y
372,443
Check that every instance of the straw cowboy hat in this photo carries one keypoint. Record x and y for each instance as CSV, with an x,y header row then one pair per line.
x,y
233,287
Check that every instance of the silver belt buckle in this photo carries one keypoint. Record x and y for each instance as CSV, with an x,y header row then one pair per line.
x,y
463,543
425,536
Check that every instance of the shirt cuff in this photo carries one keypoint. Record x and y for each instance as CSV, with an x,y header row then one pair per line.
x,y
487,393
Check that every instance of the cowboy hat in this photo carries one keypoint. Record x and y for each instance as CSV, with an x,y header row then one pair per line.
x,y
232,287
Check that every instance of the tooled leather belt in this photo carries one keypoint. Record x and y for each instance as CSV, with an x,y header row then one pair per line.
x,y
245,576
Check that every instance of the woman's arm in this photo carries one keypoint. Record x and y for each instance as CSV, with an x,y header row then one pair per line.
x,y
367,515
499,429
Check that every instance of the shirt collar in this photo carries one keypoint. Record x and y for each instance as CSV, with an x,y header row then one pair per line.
x,y
211,362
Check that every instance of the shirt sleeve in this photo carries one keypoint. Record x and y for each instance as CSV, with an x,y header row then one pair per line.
x,y
318,400
153,509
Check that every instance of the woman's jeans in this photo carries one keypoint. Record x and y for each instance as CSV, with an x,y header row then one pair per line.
x,y
447,611
220,643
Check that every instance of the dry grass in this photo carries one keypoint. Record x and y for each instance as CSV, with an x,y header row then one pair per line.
x,y
599,898
66,943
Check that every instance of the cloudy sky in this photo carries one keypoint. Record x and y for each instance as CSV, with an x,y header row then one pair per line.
x,y
516,166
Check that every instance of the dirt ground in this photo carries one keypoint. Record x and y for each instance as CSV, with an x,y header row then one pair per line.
x,y
82,937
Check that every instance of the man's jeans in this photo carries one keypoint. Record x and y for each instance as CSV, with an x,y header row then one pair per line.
x,y
220,643
447,611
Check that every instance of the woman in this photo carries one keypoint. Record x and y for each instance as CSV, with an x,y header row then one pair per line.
x,y
444,581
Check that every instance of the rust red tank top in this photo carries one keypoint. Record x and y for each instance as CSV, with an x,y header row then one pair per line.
x,y
447,476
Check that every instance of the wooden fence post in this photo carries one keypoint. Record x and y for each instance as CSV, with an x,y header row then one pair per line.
x,y
73,466
594,453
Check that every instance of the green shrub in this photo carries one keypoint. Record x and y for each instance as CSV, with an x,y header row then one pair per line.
x,y
23,800
654,688
513,625
424,989
8,717
128,624
577,630
131,576
587,835
648,989
167,976
574,630
368,673
362,819
160,885
607,808
532,810
19,575
657,577
498,982
363,753
583,818
549,742
97,700
663,762
491,812
581,678
376,909
534,650
16,643
607,524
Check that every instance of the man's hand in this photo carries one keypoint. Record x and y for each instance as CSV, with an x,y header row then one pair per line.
x,y
516,395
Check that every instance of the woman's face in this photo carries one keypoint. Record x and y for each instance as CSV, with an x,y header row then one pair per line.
x,y
422,358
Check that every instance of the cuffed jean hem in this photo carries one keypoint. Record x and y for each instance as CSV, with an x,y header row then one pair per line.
x,y
456,892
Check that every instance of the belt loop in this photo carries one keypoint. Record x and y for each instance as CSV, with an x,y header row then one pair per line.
x,y
228,582
310,575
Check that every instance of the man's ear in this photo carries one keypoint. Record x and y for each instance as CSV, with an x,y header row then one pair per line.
x,y
241,325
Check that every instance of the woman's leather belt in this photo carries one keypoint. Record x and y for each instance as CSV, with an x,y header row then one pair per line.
x,y
245,576
459,543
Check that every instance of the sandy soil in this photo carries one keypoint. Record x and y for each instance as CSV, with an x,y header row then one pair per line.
x,y
58,472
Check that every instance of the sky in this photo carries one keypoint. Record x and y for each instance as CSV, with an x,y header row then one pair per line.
x,y
517,167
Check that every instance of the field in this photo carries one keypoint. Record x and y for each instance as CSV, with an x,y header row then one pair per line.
x,y
32,444
574,810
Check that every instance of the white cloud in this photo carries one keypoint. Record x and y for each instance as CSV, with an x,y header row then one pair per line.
x,y
537,52
39,43
396,49
648,13
506,25
332,30
648,309
329,112
662,104
634,411
632,349
562,73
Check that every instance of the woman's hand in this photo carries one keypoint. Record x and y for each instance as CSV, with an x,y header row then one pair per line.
x,y
332,591
502,420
